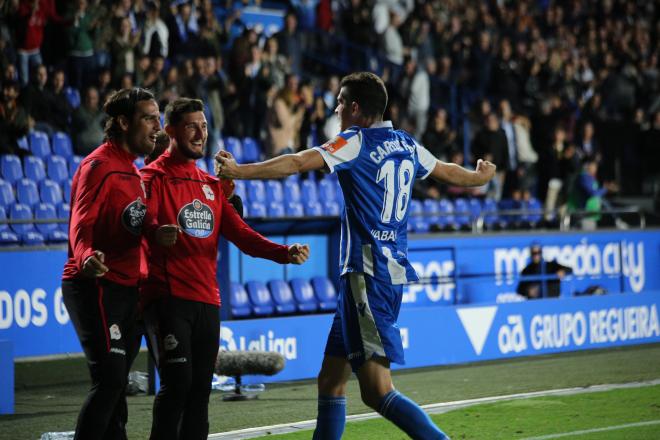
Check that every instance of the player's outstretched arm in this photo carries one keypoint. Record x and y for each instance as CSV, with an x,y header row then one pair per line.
x,y
456,175
276,168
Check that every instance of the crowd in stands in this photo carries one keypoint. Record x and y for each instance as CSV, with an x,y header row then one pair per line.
x,y
537,87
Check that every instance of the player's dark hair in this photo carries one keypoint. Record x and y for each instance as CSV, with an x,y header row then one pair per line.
x,y
122,103
368,90
179,107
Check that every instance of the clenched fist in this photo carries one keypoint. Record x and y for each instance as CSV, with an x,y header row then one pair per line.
x,y
298,253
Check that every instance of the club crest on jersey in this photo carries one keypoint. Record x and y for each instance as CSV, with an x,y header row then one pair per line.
x,y
208,192
334,145
133,216
196,219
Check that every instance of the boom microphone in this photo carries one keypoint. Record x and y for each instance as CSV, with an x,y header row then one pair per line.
x,y
240,363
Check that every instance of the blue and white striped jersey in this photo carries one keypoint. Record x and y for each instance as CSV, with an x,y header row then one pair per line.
x,y
376,167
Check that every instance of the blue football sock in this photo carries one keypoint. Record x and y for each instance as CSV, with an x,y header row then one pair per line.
x,y
331,418
409,417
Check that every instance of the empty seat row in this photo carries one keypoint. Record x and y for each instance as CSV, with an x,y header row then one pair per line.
x,y
273,198
445,215
244,151
53,167
40,145
27,233
29,193
278,297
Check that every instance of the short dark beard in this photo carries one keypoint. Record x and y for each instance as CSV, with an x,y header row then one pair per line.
x,y
189,153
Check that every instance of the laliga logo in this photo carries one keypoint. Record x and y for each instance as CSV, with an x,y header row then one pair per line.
x,y
287,347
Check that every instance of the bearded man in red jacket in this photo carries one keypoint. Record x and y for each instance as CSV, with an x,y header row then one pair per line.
x,y
181,294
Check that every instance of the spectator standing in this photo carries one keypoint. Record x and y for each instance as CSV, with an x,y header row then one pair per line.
x,y
32,15
14,120
87,123
81,45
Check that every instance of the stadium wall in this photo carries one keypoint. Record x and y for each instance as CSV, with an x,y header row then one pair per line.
x,y
479,269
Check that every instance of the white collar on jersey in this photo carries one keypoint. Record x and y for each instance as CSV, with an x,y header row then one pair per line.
x,y
381,124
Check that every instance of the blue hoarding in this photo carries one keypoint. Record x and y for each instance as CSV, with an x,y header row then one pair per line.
x,y
477,269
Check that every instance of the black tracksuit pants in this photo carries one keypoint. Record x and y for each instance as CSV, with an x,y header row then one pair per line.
x,y
186,334
104,315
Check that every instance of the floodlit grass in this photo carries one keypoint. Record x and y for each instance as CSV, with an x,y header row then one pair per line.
x,y
519,419
49,394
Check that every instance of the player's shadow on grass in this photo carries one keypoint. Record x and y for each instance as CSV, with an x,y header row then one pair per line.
x,y
13,417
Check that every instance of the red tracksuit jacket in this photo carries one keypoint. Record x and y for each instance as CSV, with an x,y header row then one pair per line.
x,y
180,193
108,206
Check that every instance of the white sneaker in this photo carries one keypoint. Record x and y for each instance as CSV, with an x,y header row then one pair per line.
x,y
620,224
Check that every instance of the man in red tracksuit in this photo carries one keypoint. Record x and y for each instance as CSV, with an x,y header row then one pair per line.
x,y
100,278
181,292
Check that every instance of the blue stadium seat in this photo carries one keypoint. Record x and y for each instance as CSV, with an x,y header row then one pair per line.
x,y
309,192
62,145
240,303
256,209
25,231
39,144
10,166
534,215
282,297
56,168
240,190
139,162
6,194
492,219
251,150
73,96
74,163
51,231
294,209
291,191
27,192
327,191
63,212
7,237
233,145
256,191
66,190
34,168
512,220
431,211
262,304
210,165
313,209
274,191
303,293
23,143
475,207
276,210
462,218
331,208
416,220
325,293
201,164
446,221
50,192
292,178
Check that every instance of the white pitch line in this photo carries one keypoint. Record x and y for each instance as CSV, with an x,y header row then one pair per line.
x,y
591,431
433,408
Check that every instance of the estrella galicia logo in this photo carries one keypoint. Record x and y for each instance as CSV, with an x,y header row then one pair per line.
x,y
196,219
133,216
